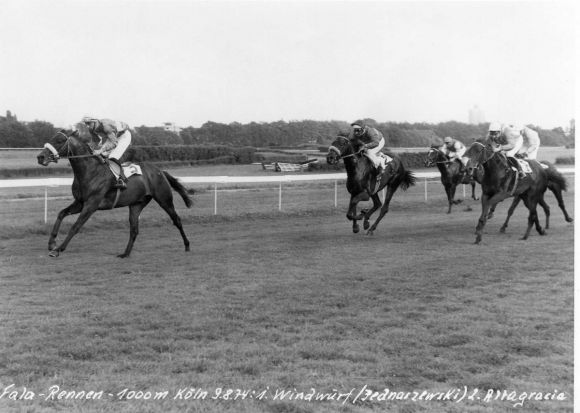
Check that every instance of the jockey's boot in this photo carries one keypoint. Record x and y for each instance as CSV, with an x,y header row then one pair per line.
x,y
521,174
380,171
122,180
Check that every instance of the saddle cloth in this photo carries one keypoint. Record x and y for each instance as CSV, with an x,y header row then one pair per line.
x,y
525,166
385,159
129,169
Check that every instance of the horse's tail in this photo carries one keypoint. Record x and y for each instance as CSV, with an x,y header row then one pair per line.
x,y
556,181
179,188
407,180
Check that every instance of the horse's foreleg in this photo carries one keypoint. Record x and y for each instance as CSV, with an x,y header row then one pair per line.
x,y
511,210
473,192
449,197
73,208
134,212
487,203
384,209
376,205
85,214
351,214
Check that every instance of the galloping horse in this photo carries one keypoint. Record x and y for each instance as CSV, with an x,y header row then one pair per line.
x,y
451,174
498,184
92,189
361,181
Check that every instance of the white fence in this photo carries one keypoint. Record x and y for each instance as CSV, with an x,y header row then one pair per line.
x,y
217,180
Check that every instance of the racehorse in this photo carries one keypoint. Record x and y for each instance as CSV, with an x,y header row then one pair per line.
x,y
451,174
500,182
92,189
556,183
361,181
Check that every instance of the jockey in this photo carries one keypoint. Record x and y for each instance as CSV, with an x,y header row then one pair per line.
x,y
373,141
114,138
509,140
454,149
531,144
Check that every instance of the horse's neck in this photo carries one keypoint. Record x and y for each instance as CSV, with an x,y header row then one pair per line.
x,y
350,165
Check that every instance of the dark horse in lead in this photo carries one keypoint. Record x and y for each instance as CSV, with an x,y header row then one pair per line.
x,y
92,190
499,182
361,180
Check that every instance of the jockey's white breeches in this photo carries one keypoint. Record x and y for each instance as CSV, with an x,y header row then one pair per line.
x,y
517,145
532,141
122,145
372,153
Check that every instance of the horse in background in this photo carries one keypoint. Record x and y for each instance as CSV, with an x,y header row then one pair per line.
x,y
361,181
451,174
499,182
93,190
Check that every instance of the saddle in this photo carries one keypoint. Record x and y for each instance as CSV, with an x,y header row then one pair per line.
x,y
129,169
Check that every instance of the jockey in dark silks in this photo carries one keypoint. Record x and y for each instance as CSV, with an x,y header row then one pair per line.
x,y
113,140
373,141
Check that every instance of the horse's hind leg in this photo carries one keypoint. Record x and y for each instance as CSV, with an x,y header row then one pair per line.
x,y
134,212
167,205
511,210
532,218
73,208
384,209
546,209
558,194
376,205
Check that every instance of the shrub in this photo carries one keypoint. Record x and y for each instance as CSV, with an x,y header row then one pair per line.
x,y
565,160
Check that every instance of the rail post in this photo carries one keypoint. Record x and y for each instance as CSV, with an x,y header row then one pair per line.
x,y
335,193
425,189
45,204
280,197
215,198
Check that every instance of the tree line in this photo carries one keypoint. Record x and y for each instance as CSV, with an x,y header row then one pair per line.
x,y
17,134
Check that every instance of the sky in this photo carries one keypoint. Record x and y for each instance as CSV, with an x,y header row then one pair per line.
x,y
189,62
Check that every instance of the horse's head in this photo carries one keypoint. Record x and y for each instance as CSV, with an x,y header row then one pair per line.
x,y
63,144
340,147
433,156
477,155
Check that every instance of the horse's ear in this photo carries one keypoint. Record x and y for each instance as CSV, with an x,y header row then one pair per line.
x,y
75,133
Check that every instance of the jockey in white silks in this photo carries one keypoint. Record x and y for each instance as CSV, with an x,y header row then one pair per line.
x,y
373,141
454,149
114,138
514,140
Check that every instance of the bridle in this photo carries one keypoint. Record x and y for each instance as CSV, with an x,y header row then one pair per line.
x,y
440,152
55,153
339,152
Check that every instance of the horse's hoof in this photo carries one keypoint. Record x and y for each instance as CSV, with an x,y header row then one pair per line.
x,y
569,219
370,232
122,255
542,232
502,230
356,229
366,225
53,253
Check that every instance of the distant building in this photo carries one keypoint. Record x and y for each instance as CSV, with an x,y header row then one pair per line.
x,y
172,127
476,116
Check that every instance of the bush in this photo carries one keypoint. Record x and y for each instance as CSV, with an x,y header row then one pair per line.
x,y
565,160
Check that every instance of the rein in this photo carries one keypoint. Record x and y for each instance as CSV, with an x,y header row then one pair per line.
x,y
338,151
55,152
